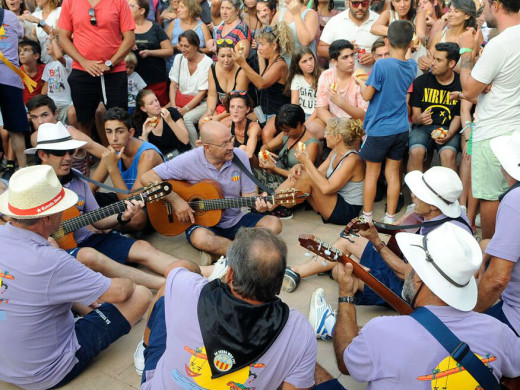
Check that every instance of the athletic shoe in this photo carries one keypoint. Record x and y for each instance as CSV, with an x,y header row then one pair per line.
x,y
207,258
387,220
220,269
139,358
9,171
477,221
291,280
321,316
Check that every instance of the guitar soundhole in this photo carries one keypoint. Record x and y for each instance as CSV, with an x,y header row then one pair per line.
x,y
197,205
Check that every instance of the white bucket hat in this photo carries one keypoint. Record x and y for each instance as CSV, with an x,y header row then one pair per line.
x,y
507,150
438,186
54,136
35,192
446,260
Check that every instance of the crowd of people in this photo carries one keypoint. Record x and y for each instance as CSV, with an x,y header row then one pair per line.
x,y
107,100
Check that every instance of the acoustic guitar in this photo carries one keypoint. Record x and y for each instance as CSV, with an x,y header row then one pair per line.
x,y
73,220
327,251
207,201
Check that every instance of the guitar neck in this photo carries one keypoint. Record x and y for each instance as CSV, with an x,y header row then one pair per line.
x,y
80,221
228,203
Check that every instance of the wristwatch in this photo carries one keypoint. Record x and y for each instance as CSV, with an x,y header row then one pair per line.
x,y
347,300
108,63
42,23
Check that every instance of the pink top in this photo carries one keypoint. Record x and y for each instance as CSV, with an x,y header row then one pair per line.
x,y
100,42
351,94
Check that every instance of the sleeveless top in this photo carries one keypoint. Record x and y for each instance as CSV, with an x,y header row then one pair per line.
x,y
167,142
176,32
272,98
287,57
130,175
352,192
237,144
220,92
443,40
291,158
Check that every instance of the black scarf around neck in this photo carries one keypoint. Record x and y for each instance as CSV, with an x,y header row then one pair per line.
x,y
236,333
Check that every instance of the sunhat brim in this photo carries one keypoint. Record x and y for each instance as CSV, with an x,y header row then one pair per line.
x,y
69,200
66,145
507,153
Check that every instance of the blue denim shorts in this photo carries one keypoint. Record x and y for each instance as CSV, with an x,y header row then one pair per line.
x,y
421,137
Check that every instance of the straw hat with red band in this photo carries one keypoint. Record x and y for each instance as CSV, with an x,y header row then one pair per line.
x,y
35,192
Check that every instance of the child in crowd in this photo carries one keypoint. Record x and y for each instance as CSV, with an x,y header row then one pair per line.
x,y
386,120
29,53
303,84
135,82
55,77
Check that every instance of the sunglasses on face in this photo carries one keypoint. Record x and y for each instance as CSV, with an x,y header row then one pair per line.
x,y
92,14
356,4
61,153
237,93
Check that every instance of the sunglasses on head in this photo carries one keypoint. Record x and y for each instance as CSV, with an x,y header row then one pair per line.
x,y
237,93
92,14
225,42
61,153
270,30
356,4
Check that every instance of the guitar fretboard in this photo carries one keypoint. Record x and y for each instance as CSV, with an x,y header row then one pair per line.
x,y
227,203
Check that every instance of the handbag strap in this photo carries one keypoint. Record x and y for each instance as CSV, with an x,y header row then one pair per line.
x,y
458,350
248,173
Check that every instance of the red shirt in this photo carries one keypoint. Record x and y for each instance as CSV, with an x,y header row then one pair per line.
x,y
100,42
39,83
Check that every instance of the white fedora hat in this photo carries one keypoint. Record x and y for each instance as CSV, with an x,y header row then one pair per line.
x,y
446,260
54,136
439,186
35,192
507,150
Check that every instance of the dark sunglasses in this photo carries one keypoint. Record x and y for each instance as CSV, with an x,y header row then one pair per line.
x,y
237,93
270,30
92,14
61,153
356,4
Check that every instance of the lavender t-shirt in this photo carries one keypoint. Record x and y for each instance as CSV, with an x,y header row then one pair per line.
x,y
39,284
193,167
11,31
291,358
399,353
505,244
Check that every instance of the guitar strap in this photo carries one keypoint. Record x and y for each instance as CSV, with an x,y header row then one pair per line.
x,y
248,173
80,175
386,226
458,350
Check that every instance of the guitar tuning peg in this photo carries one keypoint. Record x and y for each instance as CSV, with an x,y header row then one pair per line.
x,y
327,252
336,255
315,258
308,254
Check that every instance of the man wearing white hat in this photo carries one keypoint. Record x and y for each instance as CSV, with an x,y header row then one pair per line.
x,y
398,352
501,280
39,283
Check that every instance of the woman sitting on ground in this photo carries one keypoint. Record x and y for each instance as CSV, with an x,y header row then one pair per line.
x,y
162,127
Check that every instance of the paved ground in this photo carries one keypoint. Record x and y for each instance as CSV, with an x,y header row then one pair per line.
x,y
114,369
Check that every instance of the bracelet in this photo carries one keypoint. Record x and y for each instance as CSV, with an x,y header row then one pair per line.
x,y
379,246
186,108
463,50
347,300
120,219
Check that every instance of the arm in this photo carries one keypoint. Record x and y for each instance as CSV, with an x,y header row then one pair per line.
x,y
471,88
166,51
271,75
178,128
420,25
295,96
380,26
132,208
323,49
94,68
91,146
307,29
119,291
253,135
199,97
169,31
207,38
242,81
353,111
452,131
212,94
493,283
126,45
173,92
421,118
45,88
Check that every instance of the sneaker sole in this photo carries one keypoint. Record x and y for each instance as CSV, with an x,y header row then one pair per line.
x,y
288,284
312,309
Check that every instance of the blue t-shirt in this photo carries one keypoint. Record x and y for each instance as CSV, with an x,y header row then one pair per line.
x,y
387,113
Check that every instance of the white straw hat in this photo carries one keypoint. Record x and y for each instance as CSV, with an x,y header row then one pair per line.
x,y
439,186
507,150
35,192
54,136
446,260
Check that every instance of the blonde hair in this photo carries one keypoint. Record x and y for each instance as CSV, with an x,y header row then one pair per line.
x,y
351,130
131,58
280,34
194,9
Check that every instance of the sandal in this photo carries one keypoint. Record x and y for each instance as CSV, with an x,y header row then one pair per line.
x,y
291,280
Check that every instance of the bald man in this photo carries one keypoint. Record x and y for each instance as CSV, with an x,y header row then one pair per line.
x,y
214,161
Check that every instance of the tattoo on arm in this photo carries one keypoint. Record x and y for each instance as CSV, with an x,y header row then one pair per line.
x,y
466,62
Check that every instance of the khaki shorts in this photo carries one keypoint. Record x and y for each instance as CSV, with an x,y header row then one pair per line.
x,y
487,181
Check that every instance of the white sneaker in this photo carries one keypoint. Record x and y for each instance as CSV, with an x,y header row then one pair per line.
x,y
220,269
388,220
477,221
139,358
319,315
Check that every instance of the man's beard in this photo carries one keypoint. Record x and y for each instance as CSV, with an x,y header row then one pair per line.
x,y
377,6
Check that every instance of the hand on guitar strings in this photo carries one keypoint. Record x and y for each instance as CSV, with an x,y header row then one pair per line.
x,y
261,205
182,209
132,208
361,227
348,283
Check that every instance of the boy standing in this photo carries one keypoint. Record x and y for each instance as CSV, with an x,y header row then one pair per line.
x,y
386,120
29,53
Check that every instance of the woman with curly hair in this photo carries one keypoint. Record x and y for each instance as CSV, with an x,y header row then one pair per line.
x,y
273,43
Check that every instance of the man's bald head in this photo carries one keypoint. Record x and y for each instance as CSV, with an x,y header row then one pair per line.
x,y
213,132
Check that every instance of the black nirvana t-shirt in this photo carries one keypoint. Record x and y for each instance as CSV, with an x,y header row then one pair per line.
x,y
429,93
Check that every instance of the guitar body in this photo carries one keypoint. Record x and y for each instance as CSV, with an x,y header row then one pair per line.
x,y
67,241
163,218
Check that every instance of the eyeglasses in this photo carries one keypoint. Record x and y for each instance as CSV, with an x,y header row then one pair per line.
x,y
60,153
237,93
230,141
356,4
92,14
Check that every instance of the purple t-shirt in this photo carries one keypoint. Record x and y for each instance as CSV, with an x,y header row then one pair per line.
x,y
11,31
505,244
291,358
428,229
399,353
193,167
39,284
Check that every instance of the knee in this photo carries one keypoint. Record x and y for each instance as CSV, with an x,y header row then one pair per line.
x,y
142,297
272,223
417,154
199,238
448,157
90,258
138,222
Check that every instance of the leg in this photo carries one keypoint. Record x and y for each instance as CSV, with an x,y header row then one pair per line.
x,y
18,144
420,141
488,215
191,118
205,240
271,223
269,131
316,127
99,120
71,116
448,158
393,179
416,158
464,174
324,381
370,186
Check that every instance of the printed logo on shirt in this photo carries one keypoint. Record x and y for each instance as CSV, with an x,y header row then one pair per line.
x,y
235,176
449,374
80,203
4,43
4,276
56,78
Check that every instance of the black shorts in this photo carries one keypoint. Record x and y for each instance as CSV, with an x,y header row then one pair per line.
x,y
343,212
377,149
13,109
87,93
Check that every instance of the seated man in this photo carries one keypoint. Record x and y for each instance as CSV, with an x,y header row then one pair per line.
x,y
47,348
435,102
338,94
105,253
398,352
125,160
42,109
265,346
501,280
214,161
